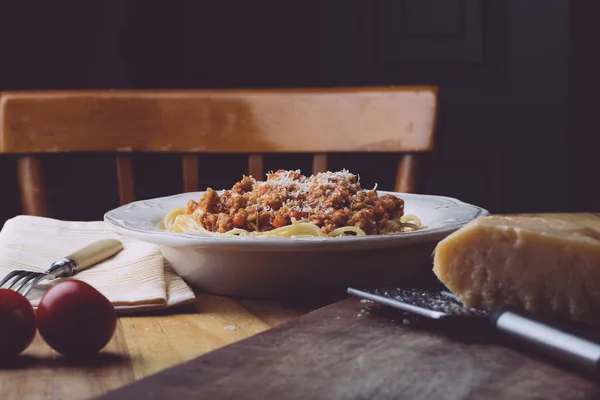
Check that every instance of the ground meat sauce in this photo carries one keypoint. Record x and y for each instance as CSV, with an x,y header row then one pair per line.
x,y
328,199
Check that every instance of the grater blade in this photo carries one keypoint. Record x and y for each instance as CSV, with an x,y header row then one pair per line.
x,y
434,305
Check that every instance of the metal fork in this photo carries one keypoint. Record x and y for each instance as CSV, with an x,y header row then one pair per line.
x,y
67,266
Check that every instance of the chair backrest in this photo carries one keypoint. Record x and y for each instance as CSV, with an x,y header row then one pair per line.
x,y
191,122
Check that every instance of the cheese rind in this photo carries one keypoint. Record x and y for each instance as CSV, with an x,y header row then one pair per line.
x,y
547,266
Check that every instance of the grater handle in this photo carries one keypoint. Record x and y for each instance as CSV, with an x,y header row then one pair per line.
x,y
558,343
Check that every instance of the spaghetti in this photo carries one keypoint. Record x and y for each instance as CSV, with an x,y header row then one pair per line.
x,y
288,204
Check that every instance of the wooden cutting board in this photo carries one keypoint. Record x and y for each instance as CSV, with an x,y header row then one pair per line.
x,y
356,350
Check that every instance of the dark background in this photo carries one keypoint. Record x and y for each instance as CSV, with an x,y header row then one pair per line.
x,y
516,124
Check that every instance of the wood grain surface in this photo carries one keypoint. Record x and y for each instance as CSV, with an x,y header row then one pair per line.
x,y
354,350
142,345
379,119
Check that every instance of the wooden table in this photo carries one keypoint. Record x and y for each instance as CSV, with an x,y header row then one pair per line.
x,y
142,345
146,344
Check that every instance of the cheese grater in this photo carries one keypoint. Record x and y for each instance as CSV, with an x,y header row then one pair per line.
x,y
554,341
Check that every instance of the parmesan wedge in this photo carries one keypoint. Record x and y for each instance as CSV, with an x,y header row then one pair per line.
x,y
546,266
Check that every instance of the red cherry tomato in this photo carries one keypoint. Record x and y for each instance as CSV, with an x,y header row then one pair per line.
x,y
17,323
75,319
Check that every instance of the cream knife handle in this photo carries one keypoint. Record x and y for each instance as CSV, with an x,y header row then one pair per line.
x,y
95,252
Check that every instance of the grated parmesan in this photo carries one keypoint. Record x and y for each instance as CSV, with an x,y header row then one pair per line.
x,y
292,185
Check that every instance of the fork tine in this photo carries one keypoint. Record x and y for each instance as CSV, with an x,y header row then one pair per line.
x,y
33,283
29,277
22,275
9,277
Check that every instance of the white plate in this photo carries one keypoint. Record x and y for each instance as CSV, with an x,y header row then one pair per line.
x,y
441,215
274,267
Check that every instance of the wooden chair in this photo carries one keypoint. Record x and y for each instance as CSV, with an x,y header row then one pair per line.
x,y
191,122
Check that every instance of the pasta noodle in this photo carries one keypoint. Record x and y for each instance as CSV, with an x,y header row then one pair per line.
x,y
178,221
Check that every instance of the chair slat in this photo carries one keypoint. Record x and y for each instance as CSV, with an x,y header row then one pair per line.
x,y
125,178
406,173
190,172
255,166
319,163
32,187
397,119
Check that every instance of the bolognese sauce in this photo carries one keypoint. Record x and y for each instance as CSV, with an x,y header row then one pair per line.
x,y
329,200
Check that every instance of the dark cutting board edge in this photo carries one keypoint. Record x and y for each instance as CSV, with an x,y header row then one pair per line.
x,y
354,350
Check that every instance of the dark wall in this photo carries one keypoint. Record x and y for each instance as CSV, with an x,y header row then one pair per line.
x,y
584,85
502,66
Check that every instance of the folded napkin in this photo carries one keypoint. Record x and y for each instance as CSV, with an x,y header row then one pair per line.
x,y
137,278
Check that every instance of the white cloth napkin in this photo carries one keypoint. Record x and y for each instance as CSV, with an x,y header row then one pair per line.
x,y
137,278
